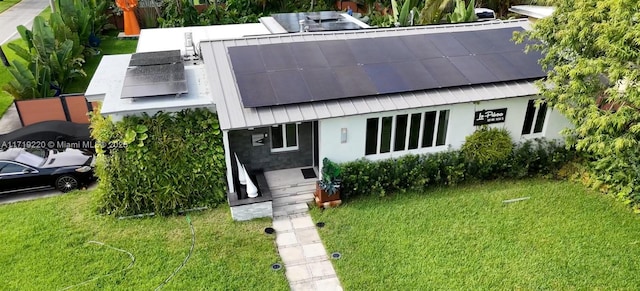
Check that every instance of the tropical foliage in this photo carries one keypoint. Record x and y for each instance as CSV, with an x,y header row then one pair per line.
x,y
56,49
592,49
162,163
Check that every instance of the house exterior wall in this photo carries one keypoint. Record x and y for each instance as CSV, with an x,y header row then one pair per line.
x,y
261,157
460,125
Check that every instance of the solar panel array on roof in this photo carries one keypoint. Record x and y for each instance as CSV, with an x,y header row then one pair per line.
x,y
154,74
287,73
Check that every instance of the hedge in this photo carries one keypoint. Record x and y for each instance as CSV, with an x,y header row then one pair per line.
x,y
538,157
162,163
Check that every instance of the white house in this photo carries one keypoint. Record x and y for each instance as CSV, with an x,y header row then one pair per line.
x,y
288,100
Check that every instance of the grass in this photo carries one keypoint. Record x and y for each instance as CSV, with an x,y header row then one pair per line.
x,y
45,246
6,4
564,237
110,45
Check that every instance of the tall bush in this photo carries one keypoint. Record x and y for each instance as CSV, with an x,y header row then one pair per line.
x,y
161,163
487,150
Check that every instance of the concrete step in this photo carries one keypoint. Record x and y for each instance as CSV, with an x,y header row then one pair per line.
x,y
293,199
294,187
286,210
277,195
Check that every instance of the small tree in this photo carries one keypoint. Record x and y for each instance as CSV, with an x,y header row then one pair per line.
x,y
592,48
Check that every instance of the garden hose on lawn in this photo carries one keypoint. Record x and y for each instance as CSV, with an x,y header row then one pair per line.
x,y
133,260
193,244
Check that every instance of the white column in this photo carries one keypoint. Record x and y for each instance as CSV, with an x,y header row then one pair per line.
x,y
227,160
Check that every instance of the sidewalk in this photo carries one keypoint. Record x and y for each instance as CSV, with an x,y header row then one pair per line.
x,y
20,14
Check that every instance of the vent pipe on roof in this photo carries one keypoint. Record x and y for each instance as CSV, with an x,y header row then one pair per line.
x,y
303,27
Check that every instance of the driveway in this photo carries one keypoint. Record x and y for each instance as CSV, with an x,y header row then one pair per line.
x,y
20,14
31,195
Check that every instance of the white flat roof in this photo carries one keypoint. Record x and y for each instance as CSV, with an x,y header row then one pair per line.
x,y
533,10
164,39
198,96
108,78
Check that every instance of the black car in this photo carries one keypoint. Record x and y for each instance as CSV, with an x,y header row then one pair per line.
x,y
66,170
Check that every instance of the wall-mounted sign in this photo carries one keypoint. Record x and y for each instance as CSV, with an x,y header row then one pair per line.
x,y
258,139
490,116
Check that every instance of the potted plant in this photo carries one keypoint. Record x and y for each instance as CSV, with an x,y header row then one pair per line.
x,y
328,188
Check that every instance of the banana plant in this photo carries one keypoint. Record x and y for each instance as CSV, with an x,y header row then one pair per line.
x,y
433,11
463,14
28,84
403,16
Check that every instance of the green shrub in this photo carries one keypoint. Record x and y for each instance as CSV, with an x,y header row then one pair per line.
x,y
161,163
537,157
486,151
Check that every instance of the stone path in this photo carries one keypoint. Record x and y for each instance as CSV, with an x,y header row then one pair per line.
x,y
303,254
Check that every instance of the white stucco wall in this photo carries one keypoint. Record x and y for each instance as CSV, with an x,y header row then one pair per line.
x,y
460,125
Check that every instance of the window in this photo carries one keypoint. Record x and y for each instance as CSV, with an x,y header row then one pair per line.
x,y
11,168
284,137
406,132
534,118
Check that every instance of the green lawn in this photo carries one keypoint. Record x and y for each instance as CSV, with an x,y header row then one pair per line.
x,y
6,4
110,45
45,246
461,238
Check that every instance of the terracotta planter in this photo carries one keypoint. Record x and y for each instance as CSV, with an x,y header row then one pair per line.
x,y
322,197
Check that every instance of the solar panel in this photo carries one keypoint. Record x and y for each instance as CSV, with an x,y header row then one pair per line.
x,y
473,70
308,55
308,71
445,73
500,67
155,58
277,57
385,78
289,86
421,47
154,80
354,81
524,62
367,51
415,75
322,84
246,59
337,53
448,45
255,90
395,49
473,42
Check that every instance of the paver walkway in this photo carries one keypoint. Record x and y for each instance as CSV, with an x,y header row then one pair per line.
x,y
303,254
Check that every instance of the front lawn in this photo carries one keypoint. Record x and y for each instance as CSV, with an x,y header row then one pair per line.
x,y
6,4
44,245
564,237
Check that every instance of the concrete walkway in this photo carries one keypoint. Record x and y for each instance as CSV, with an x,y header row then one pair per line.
x,y
20,14
10,121
303,254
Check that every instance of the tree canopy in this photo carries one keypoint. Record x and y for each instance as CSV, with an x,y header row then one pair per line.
x,y
592,51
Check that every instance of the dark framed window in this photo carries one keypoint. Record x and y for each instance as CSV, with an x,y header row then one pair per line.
x,y
284,137
534,117
406,132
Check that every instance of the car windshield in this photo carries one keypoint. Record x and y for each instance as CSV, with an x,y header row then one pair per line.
x,y
33,157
